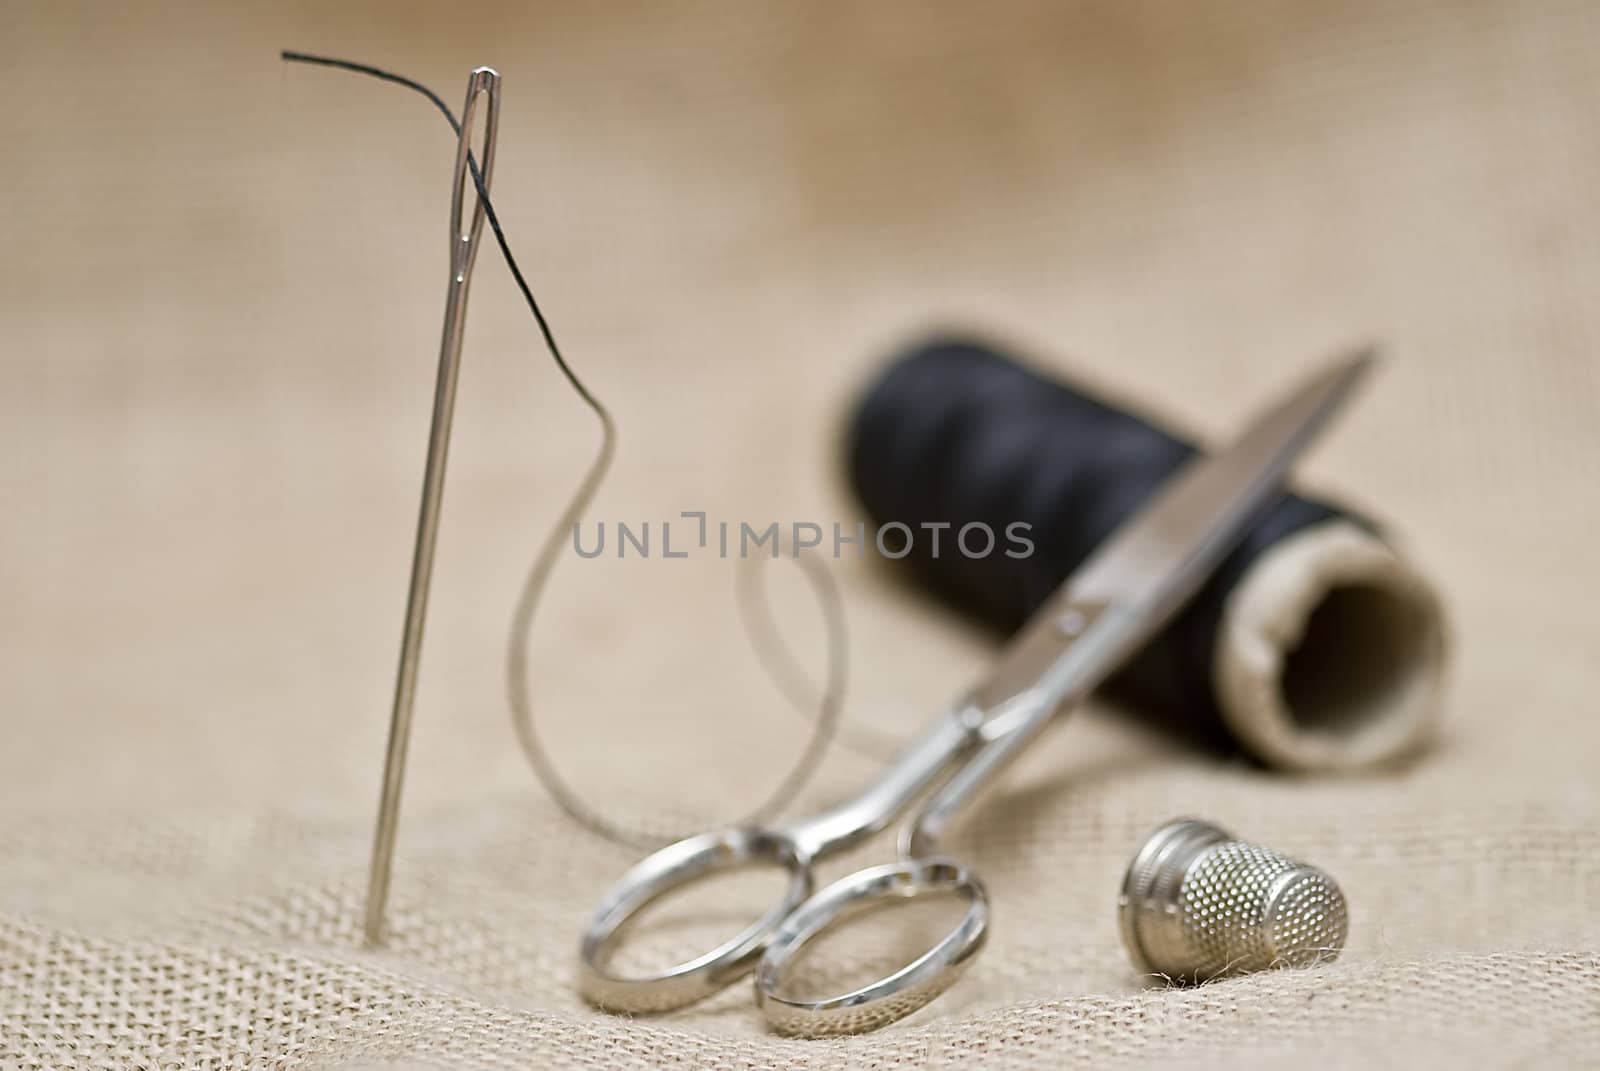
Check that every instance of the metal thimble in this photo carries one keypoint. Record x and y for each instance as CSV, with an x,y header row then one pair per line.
x,y
1196,903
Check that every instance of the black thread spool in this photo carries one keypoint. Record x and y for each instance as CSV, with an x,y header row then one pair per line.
x,y
1314,646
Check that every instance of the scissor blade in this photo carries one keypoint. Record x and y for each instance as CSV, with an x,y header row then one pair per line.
x,y
1139,577
1160,557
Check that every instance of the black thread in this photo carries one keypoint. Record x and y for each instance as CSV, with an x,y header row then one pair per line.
x,y
830,698
488,212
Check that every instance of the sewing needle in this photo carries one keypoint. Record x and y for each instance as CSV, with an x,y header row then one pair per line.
x,y
484,82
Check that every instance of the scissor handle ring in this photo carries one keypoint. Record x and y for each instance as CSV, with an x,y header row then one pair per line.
x,y
890,998
668,870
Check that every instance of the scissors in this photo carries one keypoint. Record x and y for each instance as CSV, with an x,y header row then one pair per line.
x,y
1129,587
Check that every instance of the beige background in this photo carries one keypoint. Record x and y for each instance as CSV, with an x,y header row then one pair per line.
x,y
219,302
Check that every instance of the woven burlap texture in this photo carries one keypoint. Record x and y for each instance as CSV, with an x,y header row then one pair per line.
x,y
220,298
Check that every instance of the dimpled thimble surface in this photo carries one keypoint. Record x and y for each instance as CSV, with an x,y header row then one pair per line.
x,y
1197,903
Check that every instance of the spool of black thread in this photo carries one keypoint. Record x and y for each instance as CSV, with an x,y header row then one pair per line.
x,y
1313,646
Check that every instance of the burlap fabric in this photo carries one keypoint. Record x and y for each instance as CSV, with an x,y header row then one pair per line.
x,y
220,298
